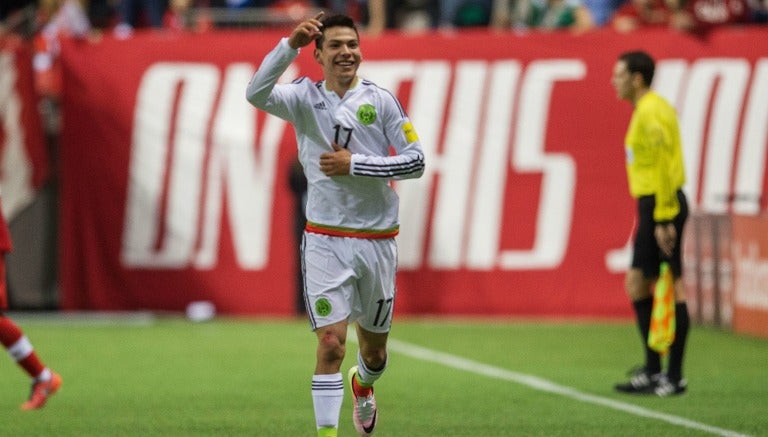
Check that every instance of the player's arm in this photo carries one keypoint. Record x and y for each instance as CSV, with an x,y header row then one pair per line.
x,y
666,205
406,163
408,159
261,91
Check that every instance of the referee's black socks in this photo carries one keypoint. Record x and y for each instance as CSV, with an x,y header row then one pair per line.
x,y
643,311
677,349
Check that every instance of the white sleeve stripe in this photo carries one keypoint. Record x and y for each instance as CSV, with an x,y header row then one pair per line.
x,y
399,166
388,170
384,174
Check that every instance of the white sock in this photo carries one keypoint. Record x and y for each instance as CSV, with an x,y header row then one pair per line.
x,y
327,395
21,349
366,376
45,375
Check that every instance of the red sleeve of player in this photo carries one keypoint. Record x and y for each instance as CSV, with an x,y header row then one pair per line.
x,y
5,235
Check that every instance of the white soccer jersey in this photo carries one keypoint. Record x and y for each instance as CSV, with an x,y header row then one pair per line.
x,y
368,120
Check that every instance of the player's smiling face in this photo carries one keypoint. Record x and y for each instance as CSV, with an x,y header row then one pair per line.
x,y
340,53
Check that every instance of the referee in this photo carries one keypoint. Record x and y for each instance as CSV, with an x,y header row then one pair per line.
x,y
656,173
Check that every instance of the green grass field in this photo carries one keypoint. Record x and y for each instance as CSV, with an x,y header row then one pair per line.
x,y
234,377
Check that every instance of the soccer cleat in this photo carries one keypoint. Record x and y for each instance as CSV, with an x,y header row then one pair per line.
x,y
41,391
364,412
641,382
665,387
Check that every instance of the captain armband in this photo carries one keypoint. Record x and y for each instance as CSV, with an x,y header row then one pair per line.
x,y
410,133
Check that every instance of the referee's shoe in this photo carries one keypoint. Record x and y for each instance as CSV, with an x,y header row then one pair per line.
x,y
667,387
641,381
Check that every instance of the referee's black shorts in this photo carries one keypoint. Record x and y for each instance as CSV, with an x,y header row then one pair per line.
x,y
646,255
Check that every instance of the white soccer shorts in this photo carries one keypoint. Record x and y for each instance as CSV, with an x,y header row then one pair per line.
x,y
349,279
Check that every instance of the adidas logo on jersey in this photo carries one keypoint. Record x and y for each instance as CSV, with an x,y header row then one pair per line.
x,y
320,105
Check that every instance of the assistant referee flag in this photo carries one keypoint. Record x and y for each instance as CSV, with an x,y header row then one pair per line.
x,y
662,332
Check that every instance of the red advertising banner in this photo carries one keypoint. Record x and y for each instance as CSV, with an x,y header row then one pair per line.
x,y
175,189
750,260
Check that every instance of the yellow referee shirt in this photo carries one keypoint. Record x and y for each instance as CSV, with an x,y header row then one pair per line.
x,y
654,155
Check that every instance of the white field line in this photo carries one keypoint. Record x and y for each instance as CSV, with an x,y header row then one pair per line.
x,y
544,385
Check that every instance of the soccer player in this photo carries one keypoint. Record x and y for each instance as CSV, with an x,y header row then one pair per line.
x,y
354,138
654,162
45,382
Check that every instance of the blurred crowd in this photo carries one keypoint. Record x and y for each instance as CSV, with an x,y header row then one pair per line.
x,y
45,21
124,16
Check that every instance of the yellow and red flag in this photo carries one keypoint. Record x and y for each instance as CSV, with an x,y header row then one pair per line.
x,y
662,332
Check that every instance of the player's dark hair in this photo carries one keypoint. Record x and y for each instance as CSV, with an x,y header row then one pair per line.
x,y
335,21
639,62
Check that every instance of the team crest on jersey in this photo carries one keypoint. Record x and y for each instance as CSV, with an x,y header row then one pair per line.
x,y
323,307
366,114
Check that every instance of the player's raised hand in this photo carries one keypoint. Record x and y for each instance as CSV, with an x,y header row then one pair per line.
x,y
306,32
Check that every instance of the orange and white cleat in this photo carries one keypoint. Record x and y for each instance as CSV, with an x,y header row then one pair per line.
x,y
41,391
364,412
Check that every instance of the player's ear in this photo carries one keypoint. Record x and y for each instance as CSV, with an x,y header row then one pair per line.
x,y
318,59
638,80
